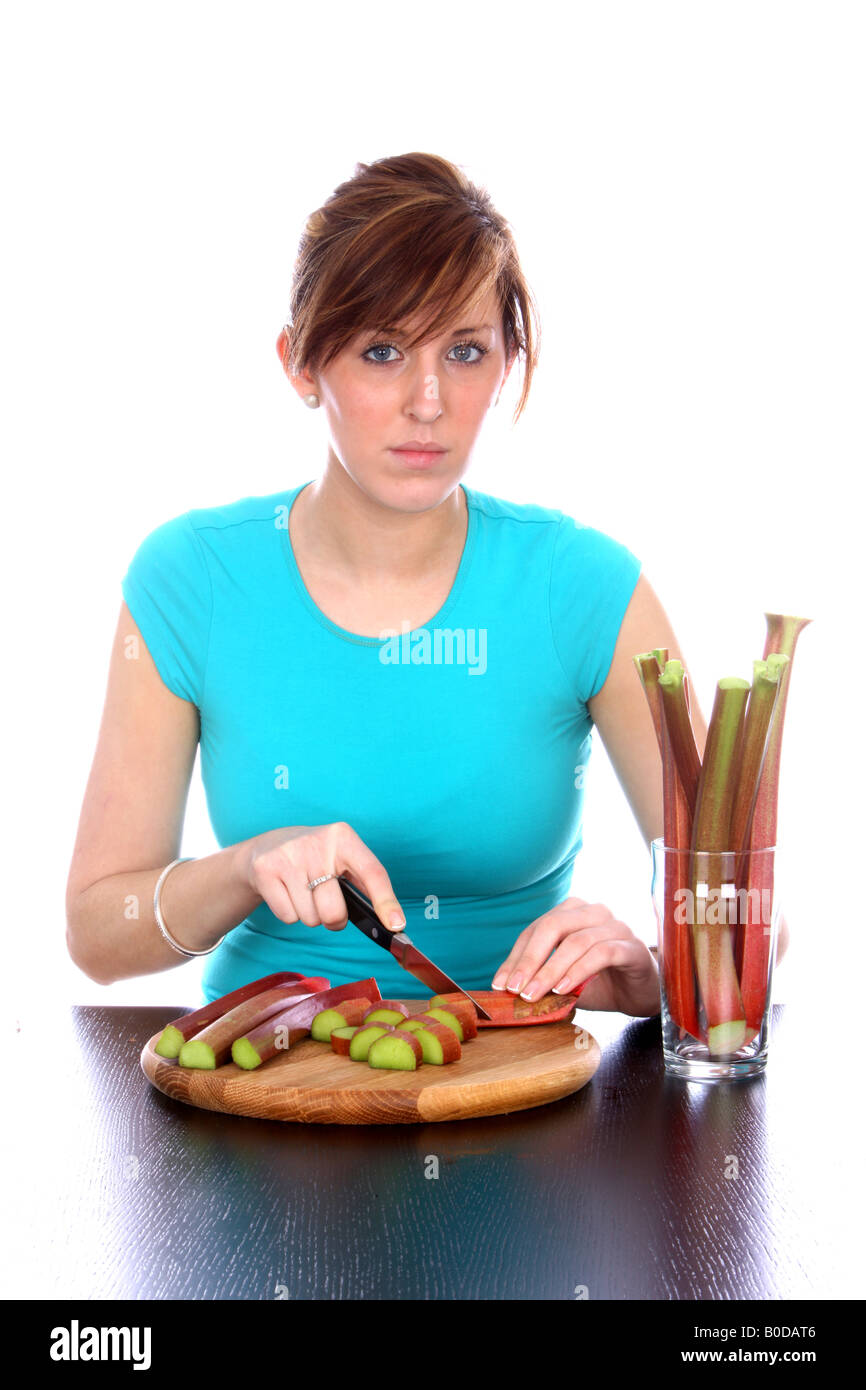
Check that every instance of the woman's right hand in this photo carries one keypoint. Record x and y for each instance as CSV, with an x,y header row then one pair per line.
x,y
279,864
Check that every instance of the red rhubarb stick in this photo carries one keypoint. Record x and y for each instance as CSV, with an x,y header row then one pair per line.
x,y
210,1047
649,666
672,684
275,1034
753,747
783,630
176,1033
712,934
676,965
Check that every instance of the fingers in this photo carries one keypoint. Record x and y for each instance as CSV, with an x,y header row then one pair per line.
x,y
286,863
506,969
536,942
365,871
605,953
570,932
328,906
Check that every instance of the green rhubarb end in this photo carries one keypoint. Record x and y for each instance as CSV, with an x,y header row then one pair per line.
x,y
197,1054
647,661
431,1048
324,1023
775,664
245,1055
390,1016
733,683
392,1053
726,1038
450,1020
673,672
170,1042
361,1043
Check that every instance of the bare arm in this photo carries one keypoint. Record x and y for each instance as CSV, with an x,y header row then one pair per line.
x,y
621,714
130,828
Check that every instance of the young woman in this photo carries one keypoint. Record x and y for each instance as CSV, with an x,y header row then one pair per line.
x,y
393,676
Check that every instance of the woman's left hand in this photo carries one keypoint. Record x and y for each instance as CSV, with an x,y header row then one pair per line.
x,y
587,941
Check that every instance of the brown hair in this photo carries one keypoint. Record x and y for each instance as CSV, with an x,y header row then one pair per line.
x,y
405,236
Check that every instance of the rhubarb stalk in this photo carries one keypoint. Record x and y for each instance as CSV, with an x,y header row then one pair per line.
x,y
759,713
176,1033
783,631
212,1046
676,711
277,1032
649,666
681,766
677,965
712,936
678,962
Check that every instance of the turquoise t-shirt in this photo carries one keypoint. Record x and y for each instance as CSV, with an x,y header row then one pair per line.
x,y
456,751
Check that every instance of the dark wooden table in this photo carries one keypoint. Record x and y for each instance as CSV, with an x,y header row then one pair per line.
x,y
637,1187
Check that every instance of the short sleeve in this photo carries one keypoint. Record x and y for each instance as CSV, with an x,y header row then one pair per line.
x,y
168,592
592,579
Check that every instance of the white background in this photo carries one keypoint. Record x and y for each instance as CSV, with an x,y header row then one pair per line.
x,y
685,183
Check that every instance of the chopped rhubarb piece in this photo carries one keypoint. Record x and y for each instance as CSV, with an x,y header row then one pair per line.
x,y
280,1031
340,1039
212,1046
396,1051
340,1016
364,1039
462,1009
440,1045
380,1013
395,1005
176,1033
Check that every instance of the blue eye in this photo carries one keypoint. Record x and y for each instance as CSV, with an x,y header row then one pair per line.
x,y
384,362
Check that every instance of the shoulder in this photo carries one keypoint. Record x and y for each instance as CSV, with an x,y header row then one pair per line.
x,y
519,514
268,509
591,550
575,546
186,538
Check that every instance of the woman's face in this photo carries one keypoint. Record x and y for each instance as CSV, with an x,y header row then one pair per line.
x,y
377,396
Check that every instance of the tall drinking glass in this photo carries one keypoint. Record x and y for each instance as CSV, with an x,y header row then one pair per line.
x,y
718,922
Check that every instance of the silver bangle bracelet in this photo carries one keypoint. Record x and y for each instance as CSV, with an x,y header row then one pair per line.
x,y
158,914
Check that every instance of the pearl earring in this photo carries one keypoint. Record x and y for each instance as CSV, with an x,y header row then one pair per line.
x,y
311,401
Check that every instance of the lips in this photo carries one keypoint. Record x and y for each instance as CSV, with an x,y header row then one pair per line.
x,y
419,459
417,446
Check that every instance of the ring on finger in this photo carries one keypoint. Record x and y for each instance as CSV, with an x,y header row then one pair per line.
x,y
314,882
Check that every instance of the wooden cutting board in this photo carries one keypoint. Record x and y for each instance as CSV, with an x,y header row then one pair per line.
x,y
502,1069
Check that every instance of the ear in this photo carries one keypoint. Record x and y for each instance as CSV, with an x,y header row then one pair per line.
x,y
283,344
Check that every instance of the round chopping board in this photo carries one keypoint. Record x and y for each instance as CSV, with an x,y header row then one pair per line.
x,y
502,1069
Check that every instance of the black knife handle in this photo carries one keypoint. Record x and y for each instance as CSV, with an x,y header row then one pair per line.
x,y
359,908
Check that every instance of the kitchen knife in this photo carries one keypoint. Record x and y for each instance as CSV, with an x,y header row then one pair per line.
x,y
361,912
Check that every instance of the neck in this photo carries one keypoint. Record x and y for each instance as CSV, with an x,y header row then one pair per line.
x,y
345,527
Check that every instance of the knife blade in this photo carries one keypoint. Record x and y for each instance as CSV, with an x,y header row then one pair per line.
x,y
362,913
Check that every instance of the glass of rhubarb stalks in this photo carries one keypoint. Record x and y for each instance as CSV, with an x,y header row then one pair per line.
x,y
718,923
714,870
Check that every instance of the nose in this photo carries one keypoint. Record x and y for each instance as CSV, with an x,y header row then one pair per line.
x,y
423,397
